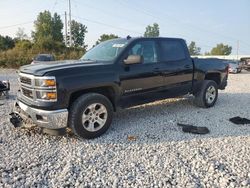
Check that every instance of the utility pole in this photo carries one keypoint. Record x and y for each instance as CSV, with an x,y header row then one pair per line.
x,y
66,29
237,49
70,35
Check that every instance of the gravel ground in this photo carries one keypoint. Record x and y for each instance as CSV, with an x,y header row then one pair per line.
x,y
143,148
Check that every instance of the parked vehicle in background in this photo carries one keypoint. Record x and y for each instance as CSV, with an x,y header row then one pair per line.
x,y
246,65
43,57
119,73
235,66
241,64
4,88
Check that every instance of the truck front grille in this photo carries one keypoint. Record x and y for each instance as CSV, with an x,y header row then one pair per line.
x,y
32,88
27,92
25,80
26,84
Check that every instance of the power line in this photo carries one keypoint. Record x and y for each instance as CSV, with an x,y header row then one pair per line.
x,y
100,10
244,43
108,25
101,23
193,27
9,26
107,13
147,13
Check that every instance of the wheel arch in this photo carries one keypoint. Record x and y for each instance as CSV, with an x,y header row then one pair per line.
x,y
215,76
108,91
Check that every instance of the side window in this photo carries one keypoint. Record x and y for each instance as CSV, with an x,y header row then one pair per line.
x,y
172,50
147,49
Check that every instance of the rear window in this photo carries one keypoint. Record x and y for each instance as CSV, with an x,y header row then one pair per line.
x,y
172,50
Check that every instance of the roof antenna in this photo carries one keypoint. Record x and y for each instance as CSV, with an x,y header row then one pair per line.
x,y
128,37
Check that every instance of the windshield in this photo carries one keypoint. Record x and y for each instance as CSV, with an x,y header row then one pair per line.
x,y
106,51
44,58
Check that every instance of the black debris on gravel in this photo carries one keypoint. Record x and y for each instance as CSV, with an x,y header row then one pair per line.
x,y
193,129
239,120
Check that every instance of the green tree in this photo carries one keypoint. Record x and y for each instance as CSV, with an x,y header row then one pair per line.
x,y
6,43
43,26
23,45
78,31
57,26
105,37
152,31
221,49
193,49
48,30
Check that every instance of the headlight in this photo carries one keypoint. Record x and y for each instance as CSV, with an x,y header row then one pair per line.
x,y
45,88
45,82
46,95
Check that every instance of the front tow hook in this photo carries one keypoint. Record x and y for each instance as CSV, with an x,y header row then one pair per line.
x,y
16,119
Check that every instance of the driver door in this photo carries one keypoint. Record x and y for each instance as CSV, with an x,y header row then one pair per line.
x,y
141,78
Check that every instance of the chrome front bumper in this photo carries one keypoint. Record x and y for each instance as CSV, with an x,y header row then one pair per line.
x,y
55,119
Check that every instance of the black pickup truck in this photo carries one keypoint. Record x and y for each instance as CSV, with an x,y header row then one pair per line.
x,y
120,73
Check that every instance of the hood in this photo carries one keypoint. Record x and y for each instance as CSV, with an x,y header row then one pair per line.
x,y
39,69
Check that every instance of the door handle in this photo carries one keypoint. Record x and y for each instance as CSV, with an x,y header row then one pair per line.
x,y
157,70
187,66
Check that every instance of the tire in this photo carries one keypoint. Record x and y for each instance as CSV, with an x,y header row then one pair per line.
x,y
90,115
208,94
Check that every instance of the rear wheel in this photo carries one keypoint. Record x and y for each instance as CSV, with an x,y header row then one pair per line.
x,y
90,115
208,94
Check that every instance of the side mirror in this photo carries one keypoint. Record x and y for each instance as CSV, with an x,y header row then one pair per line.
x,y
133,59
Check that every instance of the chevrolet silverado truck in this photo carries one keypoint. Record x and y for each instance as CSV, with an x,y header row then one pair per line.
x,y
83,94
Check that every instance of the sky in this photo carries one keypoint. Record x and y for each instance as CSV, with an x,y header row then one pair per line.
x,y
205,22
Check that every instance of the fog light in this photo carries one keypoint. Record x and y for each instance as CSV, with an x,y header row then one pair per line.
x,y
41,118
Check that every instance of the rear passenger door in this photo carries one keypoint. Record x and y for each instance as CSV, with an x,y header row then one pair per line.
x,y
176,65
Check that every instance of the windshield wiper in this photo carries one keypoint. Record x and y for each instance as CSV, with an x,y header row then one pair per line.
x,y
92,60
87,60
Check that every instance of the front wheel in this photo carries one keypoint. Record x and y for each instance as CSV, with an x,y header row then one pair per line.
x,y
90,115
208,94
